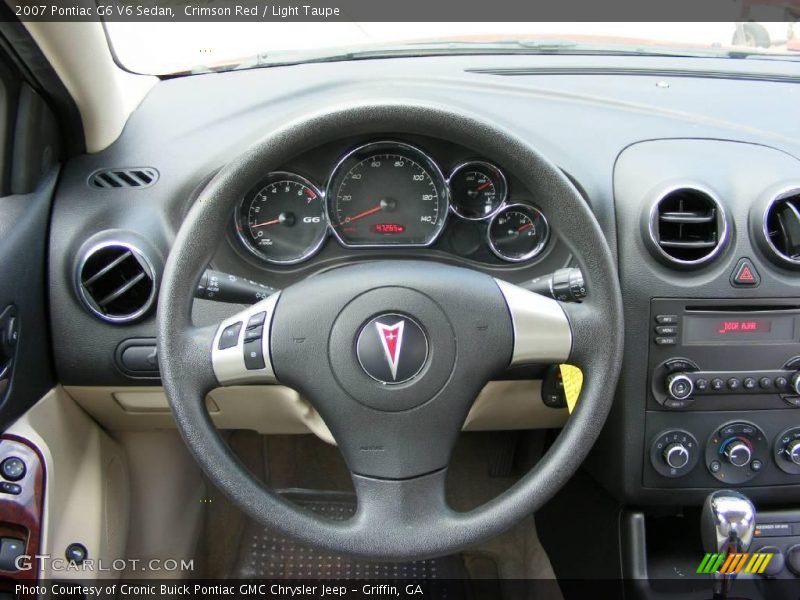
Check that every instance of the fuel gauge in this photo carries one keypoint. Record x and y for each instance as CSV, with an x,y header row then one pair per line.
x,y
477,190
518,232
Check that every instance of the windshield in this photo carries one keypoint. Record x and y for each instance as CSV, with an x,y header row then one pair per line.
x,y
173,48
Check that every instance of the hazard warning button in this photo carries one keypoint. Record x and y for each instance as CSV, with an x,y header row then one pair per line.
x,y
745,274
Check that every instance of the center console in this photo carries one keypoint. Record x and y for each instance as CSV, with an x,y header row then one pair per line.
x,y
724,383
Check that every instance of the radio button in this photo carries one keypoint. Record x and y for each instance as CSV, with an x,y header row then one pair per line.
x,y
765,383
667,319
665,341
796,383
679,386
717,384
666,330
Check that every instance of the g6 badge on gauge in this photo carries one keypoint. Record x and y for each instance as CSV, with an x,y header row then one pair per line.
x,y
387,194
283,220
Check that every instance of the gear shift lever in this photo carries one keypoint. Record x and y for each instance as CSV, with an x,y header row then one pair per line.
x,y
727,525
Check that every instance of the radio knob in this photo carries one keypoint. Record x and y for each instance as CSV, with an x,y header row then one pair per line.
x,y
676,455
680,386
791,451
738,454
794,383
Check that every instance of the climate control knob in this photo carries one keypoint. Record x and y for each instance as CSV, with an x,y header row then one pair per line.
x,y
679,386
791,451
738,454
676,456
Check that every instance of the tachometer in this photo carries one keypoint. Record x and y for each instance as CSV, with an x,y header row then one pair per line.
x,y
387,194
283,221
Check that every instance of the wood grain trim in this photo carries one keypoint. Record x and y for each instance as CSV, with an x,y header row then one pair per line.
x,y
21,516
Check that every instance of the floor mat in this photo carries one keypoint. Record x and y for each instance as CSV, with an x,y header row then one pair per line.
x,y
266,554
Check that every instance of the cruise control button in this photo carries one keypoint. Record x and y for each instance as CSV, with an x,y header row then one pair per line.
x,y
666,319
254,333
230,336
253,355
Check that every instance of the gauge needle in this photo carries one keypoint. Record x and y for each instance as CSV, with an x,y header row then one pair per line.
x,y
361,215
265,223
524,227
483,186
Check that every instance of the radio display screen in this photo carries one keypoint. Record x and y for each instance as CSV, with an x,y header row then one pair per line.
x,y
722,328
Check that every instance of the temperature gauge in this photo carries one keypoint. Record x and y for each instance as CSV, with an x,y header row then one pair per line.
x,y
477,190
518,232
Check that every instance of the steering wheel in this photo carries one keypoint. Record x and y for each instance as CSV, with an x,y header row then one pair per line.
x,y
392,354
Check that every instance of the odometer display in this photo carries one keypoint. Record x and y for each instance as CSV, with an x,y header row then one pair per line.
x,y
387,194
283,220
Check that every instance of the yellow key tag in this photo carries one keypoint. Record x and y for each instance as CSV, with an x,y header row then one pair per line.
x,y
572,377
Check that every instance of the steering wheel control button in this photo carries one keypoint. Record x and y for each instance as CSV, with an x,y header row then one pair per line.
x,y
13,468
674,453
256,320
744,274
230,336
253,355
392,348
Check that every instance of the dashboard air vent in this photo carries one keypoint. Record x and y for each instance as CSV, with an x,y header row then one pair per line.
x,y
116,282
688,226
108,179
782,227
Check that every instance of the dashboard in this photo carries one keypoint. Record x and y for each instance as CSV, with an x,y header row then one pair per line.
x,y
690,166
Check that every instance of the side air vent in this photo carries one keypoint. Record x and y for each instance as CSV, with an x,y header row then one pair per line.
x,y
782,227
109,179
688,227
116,282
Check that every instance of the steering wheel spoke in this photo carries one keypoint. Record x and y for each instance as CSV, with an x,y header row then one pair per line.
x,y
542,332
240,352
401,504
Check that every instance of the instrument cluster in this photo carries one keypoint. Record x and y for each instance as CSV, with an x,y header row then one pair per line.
x,y
386,195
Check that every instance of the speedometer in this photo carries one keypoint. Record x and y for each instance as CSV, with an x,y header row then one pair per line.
x,y
387,194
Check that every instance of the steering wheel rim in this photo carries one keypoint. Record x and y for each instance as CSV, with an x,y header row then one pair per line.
x,y
415,521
